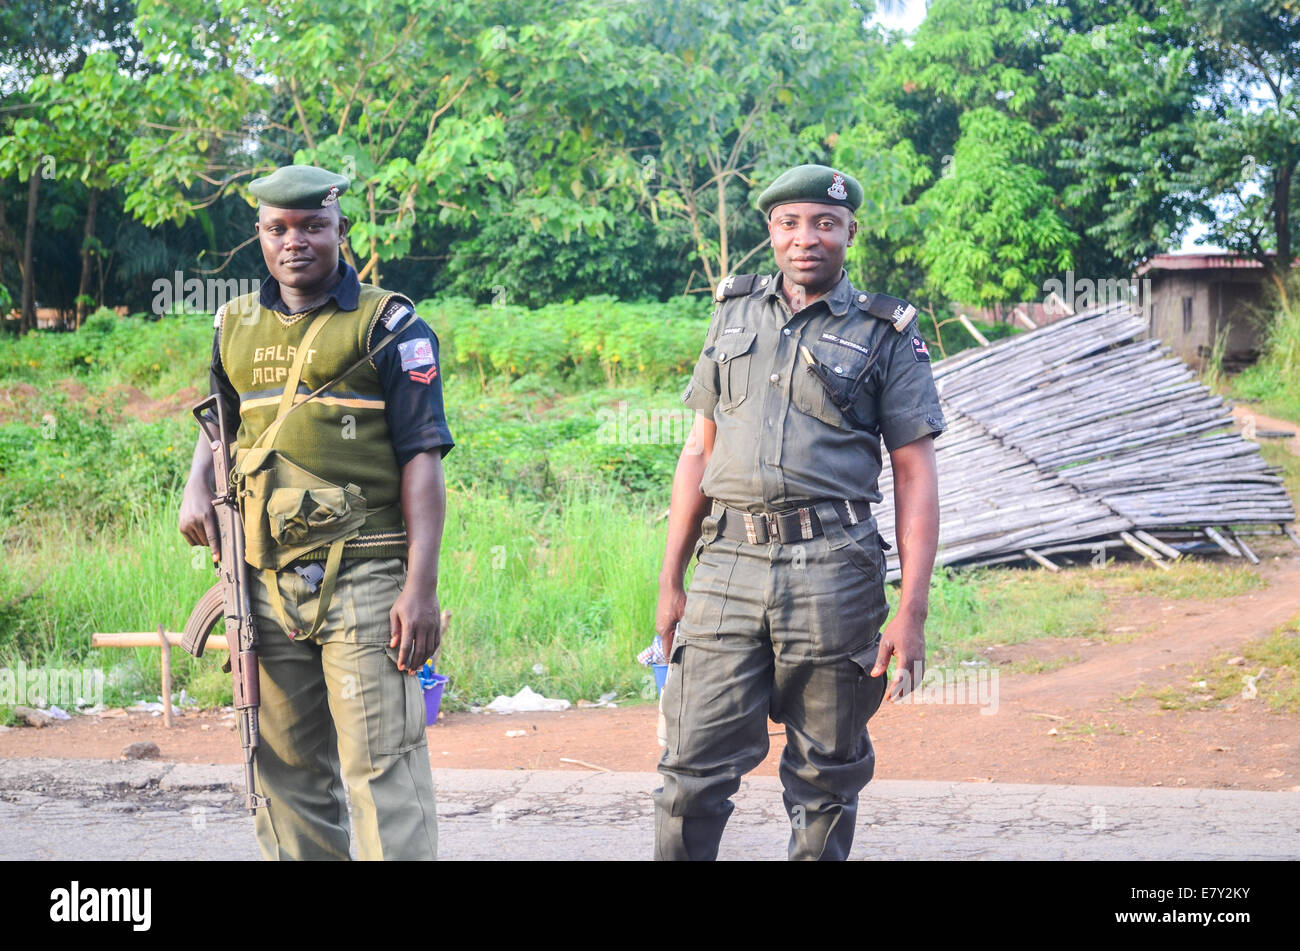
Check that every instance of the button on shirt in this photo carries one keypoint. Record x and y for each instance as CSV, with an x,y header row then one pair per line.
x,y
781,438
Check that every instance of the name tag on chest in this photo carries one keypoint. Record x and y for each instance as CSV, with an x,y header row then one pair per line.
x,y
860,348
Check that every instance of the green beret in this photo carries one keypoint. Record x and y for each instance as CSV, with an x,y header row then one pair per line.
x,y
812,183
299,186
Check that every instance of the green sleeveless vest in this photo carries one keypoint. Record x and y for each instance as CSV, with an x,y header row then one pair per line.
x,y
342,435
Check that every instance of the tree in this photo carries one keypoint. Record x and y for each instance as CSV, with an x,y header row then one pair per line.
x,y
76,132
955,133
734,86
1184,114
414,101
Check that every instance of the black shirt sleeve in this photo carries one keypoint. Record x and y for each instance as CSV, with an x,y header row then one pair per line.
x,y
219,385
411,378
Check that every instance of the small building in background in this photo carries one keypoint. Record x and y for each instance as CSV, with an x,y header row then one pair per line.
x,y
1193,296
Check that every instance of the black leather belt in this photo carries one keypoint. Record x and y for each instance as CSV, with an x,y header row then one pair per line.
x,y
792,525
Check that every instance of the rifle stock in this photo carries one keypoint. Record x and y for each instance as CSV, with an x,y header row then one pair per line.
x,y
231,595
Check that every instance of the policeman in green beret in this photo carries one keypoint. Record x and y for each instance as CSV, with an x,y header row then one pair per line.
x,y
801,377
345,503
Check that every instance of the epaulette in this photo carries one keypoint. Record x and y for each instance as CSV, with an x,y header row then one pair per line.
x,y
899,313
737,285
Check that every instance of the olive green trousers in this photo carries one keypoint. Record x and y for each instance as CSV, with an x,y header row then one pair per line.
x,y
786,631
336,709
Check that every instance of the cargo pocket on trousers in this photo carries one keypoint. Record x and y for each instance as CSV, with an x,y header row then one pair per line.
x,y
672,702
401,718
870,691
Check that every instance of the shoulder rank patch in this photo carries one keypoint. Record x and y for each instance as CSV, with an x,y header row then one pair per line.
x,y
898,312
919,349
416,353
737,285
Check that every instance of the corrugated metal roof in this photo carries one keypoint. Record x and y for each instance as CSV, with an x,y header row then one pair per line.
x,y
1197,262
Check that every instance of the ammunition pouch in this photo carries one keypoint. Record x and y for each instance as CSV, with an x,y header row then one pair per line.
x,y
289,511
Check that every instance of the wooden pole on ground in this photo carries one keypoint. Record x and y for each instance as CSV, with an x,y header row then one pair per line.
x,y
1173,554
166,676
216,642
1145,551
1222,542
1030,553
1245,549
970,328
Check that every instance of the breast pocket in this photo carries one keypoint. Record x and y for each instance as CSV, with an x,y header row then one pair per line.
x,y
841,366
734,353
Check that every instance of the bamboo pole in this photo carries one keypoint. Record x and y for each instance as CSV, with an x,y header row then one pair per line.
x,y
216,642
1245,549
166,676
1035,556
1145,551
1221,542
970,328
1173,554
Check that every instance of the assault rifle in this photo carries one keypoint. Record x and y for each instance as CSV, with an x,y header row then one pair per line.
x,y
229,598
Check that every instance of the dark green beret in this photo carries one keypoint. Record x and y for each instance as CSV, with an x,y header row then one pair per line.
x,y
816,183
299,186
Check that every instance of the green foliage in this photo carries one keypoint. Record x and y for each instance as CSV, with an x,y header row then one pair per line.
x,y
593,340
994,227
510,261
159,357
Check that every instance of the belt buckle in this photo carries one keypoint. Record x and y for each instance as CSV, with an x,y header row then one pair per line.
x,y
750,534
805,523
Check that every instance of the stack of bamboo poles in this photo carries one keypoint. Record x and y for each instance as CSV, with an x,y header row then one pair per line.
x,y
1082,435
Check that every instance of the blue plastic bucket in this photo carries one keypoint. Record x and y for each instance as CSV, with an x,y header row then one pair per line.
x,y
661,676
433,698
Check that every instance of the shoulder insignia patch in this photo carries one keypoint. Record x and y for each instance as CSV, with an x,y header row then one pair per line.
x,y
919,349
898,312
737,285
416,353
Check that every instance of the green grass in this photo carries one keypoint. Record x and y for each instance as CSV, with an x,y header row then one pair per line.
x,y
1037,666
1186,578
553,540
974,609
1269,673
1278,455
567,586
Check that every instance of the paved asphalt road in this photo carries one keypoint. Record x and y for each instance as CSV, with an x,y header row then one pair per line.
x,y
95,809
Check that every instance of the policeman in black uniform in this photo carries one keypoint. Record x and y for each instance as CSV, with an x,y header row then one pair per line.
x,y
800,379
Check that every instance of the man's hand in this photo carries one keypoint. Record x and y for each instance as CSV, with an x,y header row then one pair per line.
x,y
916,522
415,616
685,512
198,520
416,623
672,605
904,639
